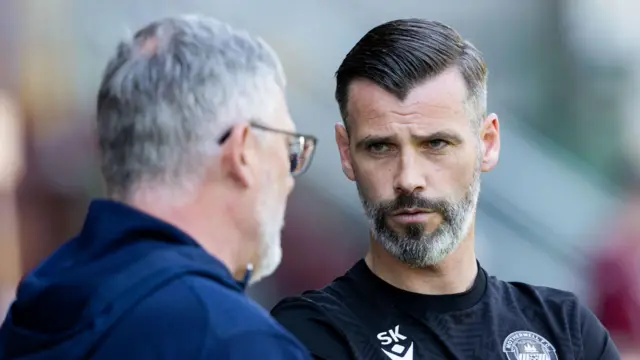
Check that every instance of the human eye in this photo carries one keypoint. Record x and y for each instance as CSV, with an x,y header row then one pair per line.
x,y
378,148
437,144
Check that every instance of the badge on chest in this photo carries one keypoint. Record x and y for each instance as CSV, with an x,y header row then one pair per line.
x,y
526,345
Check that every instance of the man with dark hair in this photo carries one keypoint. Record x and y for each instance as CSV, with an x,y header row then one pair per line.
x,y
415,139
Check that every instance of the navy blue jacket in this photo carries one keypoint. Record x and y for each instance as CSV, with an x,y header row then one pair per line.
x,y
130,286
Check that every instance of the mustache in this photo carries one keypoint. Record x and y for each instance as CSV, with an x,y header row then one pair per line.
x,y
404,201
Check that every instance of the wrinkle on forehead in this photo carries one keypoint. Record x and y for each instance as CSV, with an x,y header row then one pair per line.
x,y
419,115
413,113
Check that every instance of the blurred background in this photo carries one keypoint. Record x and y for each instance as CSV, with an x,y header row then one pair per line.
x,y
562,209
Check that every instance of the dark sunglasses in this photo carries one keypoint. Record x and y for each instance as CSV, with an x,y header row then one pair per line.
x,y
301,147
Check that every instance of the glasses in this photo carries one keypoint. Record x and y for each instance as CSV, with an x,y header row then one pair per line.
x,y
301,147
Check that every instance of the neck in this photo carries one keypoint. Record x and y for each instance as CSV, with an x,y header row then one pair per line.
x,y
455,274
209,225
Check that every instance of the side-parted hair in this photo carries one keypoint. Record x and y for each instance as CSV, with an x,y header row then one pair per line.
x,y
401,54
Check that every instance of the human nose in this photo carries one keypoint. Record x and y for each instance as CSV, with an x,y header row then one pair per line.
x,y
409,178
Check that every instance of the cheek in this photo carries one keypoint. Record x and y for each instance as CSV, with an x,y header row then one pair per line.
x,y
279,185
277,171
460,172
283,163
374,180
285,173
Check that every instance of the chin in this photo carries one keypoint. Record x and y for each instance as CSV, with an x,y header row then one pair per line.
x,y
269,262
419,249
426,227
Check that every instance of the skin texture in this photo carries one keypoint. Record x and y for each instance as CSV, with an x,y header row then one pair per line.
x,y
259,171
425,152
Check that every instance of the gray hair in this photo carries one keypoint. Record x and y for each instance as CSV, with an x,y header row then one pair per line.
x,y
171,91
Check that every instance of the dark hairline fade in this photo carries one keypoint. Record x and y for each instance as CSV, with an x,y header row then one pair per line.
x,y
401,54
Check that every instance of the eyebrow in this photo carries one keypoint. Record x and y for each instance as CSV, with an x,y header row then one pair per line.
x,y
373,139
444,135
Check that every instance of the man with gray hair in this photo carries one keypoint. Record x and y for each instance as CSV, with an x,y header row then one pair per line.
x,y
198,153
415,139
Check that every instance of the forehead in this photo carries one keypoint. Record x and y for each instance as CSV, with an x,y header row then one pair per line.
x,y
437,102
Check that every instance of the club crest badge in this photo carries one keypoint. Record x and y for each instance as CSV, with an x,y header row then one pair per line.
x,y
526,345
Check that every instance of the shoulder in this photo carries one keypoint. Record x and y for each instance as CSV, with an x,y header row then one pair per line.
x,y
307,317
259,345
308,306
535,297
170,321
534,300
563,310
245,330
239,328
229,312
193,316
314,307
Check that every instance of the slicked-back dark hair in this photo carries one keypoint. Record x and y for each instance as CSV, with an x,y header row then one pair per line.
x,y
400,54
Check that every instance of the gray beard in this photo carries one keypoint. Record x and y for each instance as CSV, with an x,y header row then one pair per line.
x,y
414,247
